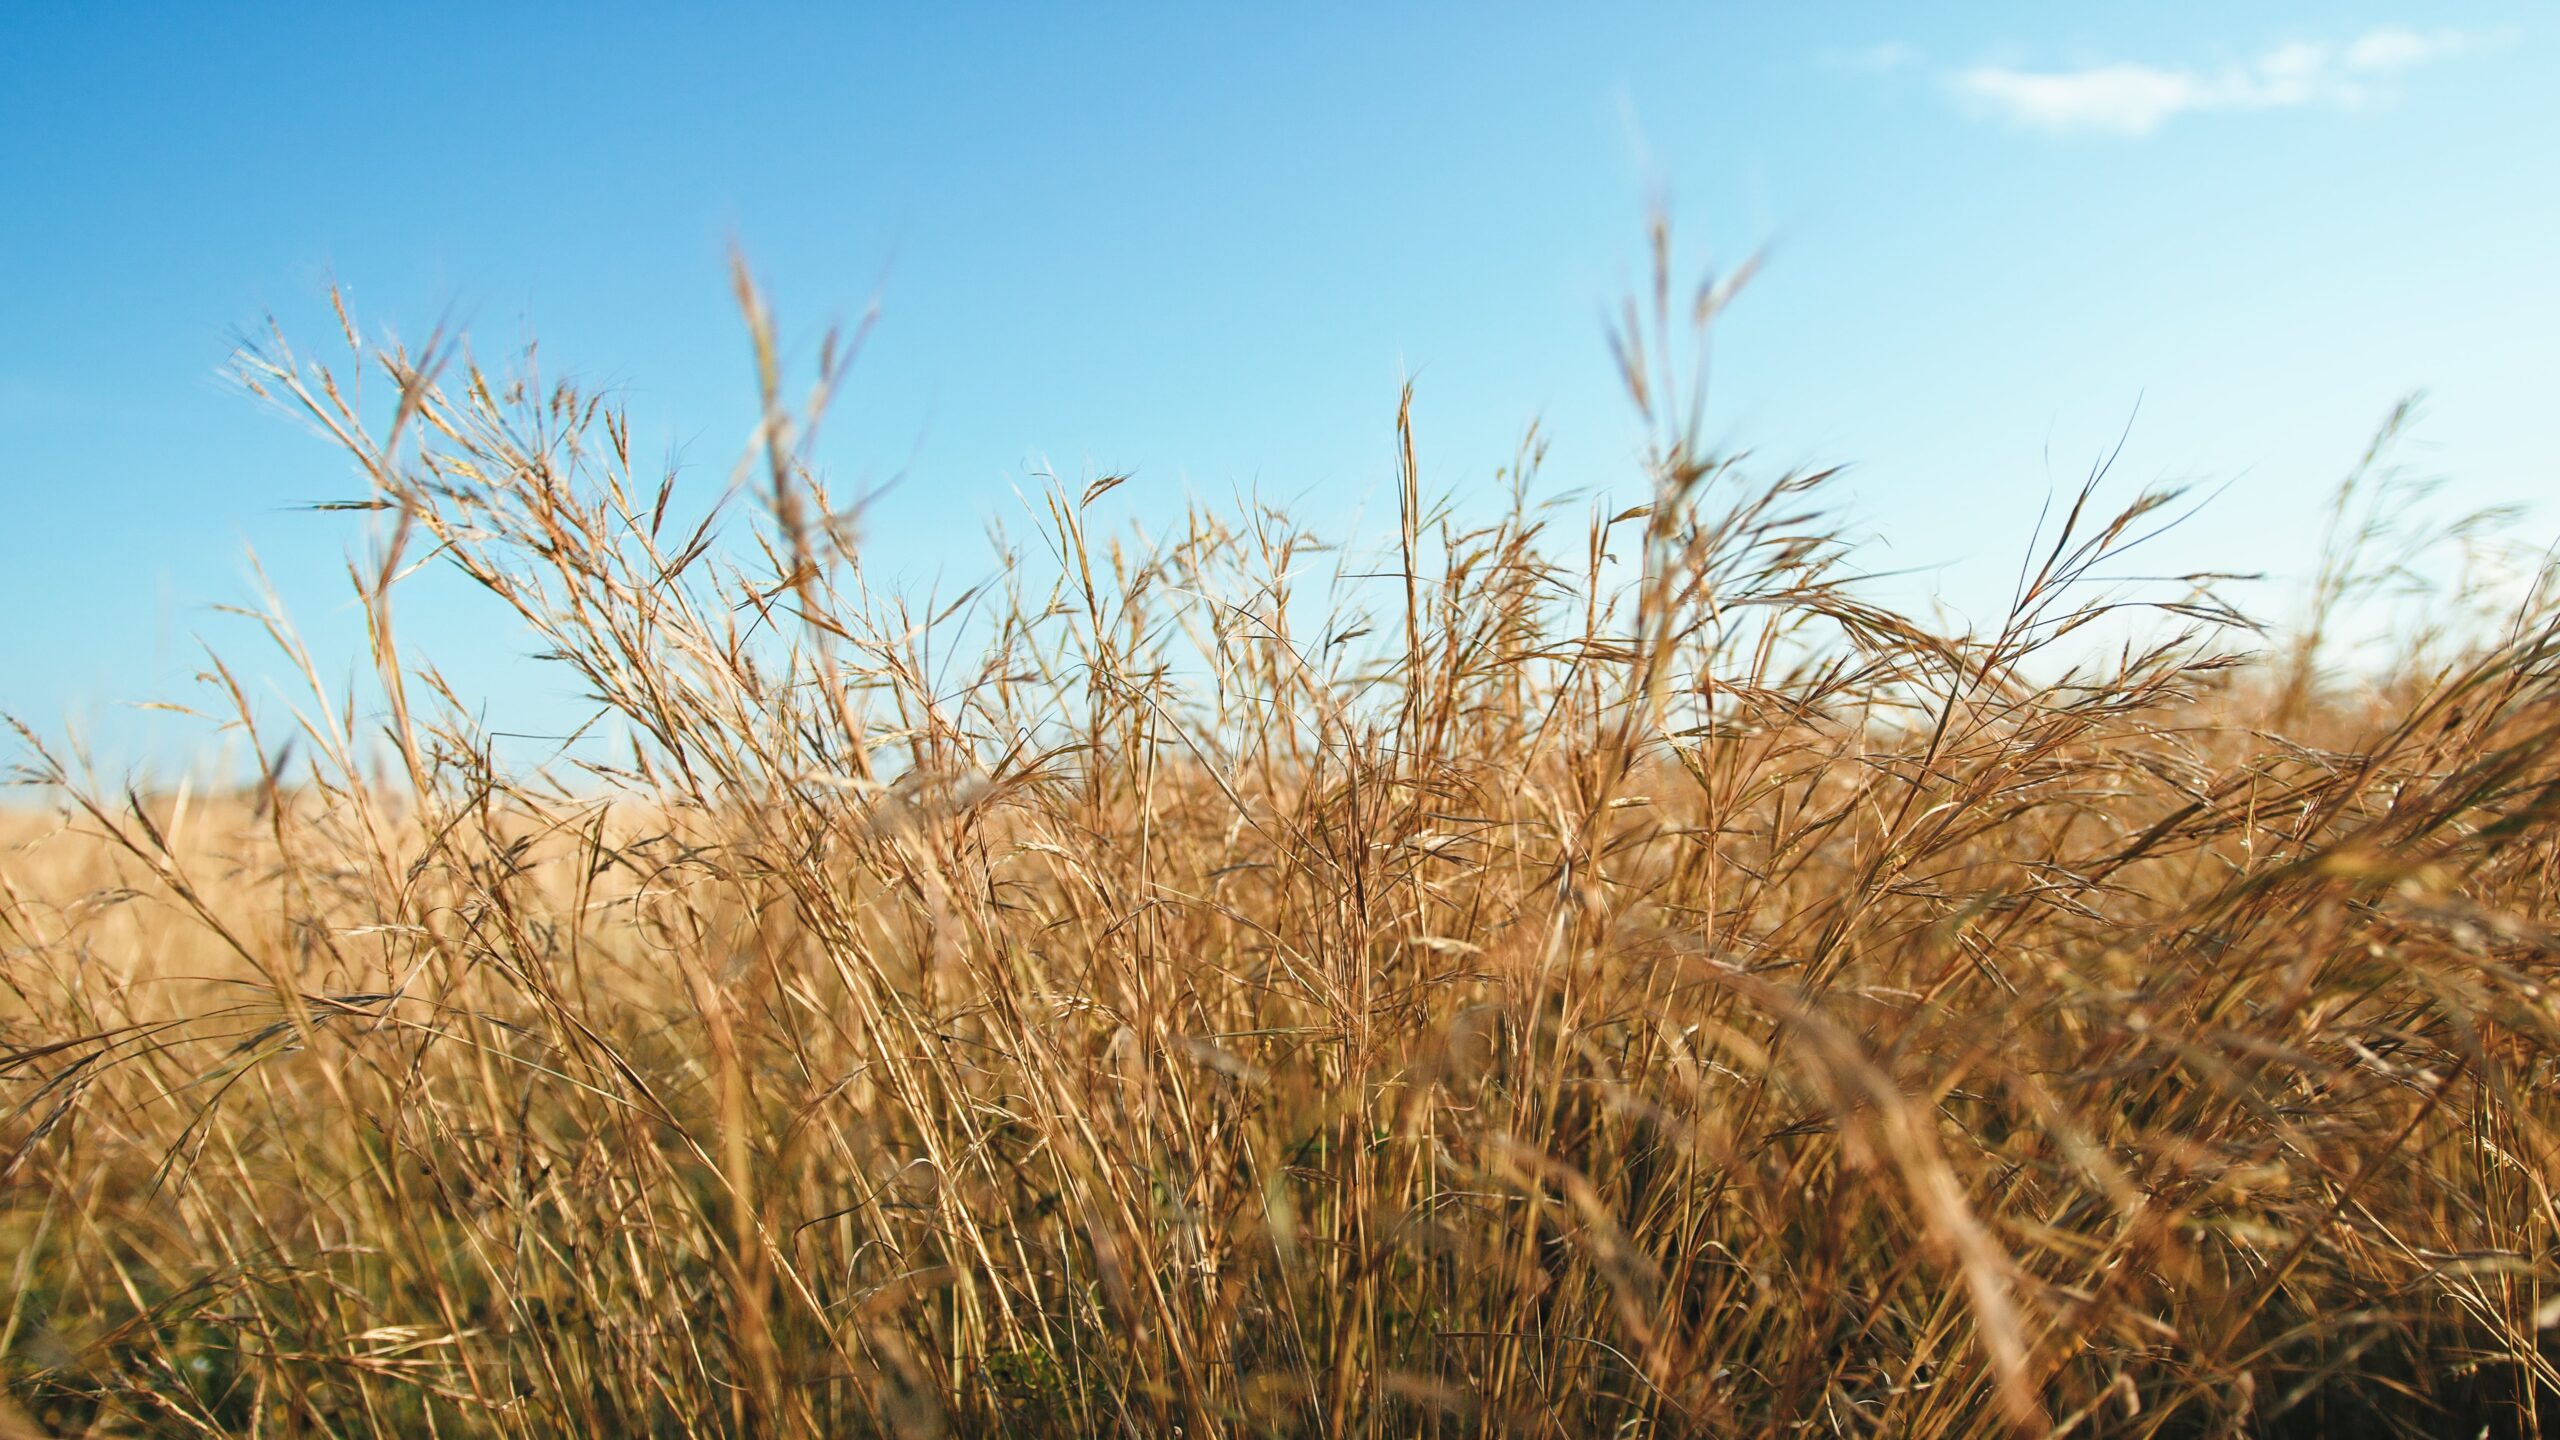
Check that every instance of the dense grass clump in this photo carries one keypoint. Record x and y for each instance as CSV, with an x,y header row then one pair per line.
x,y
1579,979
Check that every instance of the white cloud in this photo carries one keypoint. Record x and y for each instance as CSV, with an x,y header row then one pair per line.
x,y
2394,47
2119,99
2126,98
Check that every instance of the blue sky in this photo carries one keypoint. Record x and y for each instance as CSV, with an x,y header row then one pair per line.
x,y
1204,245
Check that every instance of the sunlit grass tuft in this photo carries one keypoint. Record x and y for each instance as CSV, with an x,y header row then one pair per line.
x,y
1599,977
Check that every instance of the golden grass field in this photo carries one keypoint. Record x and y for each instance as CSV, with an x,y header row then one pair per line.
x,y
1639,985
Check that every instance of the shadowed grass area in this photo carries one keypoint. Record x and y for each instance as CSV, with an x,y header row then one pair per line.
x,y
1606,977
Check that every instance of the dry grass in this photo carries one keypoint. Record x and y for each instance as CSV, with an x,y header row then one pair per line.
x,y
1665,994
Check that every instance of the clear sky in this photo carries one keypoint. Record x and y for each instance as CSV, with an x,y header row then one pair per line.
x,y
1204,244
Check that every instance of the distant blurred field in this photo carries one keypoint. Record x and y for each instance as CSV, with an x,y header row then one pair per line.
x,y
1595,975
